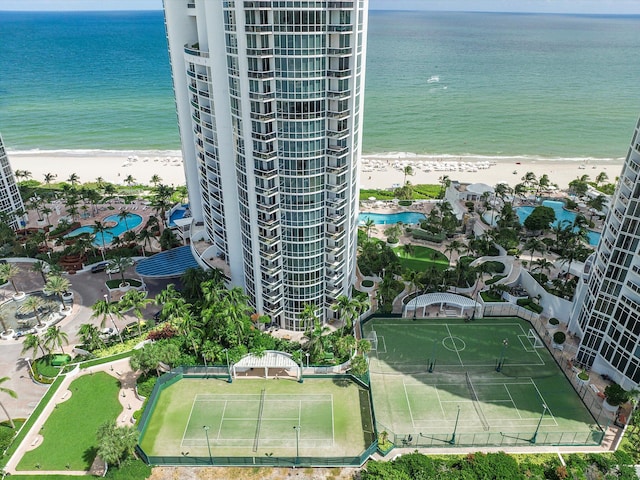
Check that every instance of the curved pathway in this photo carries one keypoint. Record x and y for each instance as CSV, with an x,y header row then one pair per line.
x,y
130,402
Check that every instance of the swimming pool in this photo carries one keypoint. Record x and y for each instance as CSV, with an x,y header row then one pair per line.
x,y
561,215
177,214
391,218
120,226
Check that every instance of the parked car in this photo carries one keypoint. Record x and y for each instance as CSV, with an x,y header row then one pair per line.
x,y
114,269
99,267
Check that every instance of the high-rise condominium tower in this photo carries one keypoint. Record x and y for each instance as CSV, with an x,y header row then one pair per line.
x,y
10,199
269,97
606,311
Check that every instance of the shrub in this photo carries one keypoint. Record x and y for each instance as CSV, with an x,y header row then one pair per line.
x,y
367,283
392,240
430,237
616,395
554,321
583,375
405,203
559,338
146,384
494,266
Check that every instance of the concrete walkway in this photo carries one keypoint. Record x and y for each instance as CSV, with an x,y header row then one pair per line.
x,y
130,402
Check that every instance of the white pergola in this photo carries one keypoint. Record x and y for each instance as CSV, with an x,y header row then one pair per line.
x,y
270,359
465,304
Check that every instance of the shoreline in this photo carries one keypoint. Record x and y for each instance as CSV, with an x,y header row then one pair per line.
x,y
378,171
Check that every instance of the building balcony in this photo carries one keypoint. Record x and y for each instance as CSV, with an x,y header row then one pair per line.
x,y
340,28
262,96
338,134
338,115
259,28
202,76
203,93
263,116
265,137
340,52
336,202
338,73
191,5
265,155
195,51
267,221
260,52
339,5
339,95
337,188
261,74
336,219
337,234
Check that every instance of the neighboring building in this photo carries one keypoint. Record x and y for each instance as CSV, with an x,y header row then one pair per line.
x,y
270,102
10,199
606,312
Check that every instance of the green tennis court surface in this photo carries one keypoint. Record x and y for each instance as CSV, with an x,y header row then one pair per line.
x,y
256,417
463,393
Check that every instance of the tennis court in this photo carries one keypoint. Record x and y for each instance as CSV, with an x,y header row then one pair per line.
x,y
258,417
484,382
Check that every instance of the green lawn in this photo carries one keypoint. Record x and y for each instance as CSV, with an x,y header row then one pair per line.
x,y
419,408
249,416
70,432
421,258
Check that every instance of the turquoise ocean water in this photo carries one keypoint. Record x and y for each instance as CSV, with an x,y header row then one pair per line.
x,y
437,83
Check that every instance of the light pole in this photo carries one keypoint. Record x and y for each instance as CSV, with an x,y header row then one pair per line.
x,y
297,429
535,434
108,306
307,354
455,428
230,379
28,360
505,344
206,433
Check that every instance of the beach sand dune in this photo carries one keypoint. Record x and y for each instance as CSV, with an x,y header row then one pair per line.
x,y
377,171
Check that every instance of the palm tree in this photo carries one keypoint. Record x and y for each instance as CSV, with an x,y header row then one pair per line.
x,y
601,178
454,246
54,337
99,227
124,215
542,264
57,285
129,180
155,180
145,237
534,245
137,301
90,336
315,343
12,394
73,179
414,279
307,316
34,303
41,268
9,271
23,174
120,264
596,204
31,343
347,309
103,309
368,226
529,179
408,170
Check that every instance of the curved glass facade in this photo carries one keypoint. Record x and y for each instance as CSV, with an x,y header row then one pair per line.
x,y
272,113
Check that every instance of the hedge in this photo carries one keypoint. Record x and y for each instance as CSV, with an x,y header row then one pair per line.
x,y
430,237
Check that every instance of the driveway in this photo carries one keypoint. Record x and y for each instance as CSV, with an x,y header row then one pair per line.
x,y
87,288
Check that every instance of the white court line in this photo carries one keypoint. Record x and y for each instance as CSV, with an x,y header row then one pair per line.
x,y
534,350
333,424
544,401
477,383
417,325
184,434
514,403
381,337
454,346
406,396
221,420
444,415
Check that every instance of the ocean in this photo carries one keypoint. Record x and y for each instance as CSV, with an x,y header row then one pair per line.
x,y
479,84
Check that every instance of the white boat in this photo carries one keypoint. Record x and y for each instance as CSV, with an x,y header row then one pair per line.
x,y
433,79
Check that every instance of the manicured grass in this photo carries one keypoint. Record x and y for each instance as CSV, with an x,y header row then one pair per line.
x,y
490,297
70,432
421,258
31,420
328,411
43,367
529,393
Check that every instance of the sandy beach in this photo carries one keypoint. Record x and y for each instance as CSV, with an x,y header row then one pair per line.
x,y
377,171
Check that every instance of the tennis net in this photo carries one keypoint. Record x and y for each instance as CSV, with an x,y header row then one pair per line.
x,y
476,403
